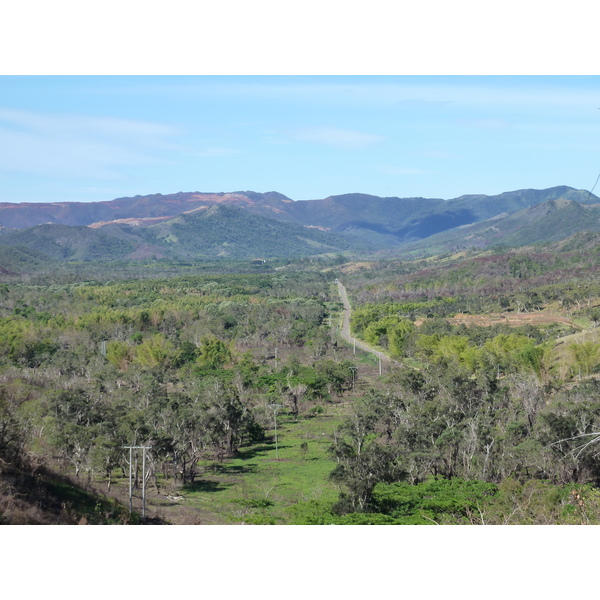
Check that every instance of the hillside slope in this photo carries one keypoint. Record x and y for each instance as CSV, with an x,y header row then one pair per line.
x,y
28,214
222,231
549,221
247,224
389,221
217,232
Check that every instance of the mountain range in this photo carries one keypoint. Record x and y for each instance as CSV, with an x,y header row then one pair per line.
x,y
242,225
550,221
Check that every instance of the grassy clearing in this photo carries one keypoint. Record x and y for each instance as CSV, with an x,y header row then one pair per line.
x,y
258,487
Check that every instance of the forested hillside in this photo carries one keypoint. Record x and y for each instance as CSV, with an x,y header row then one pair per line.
x,y
252,409
218,232
548,222
134,227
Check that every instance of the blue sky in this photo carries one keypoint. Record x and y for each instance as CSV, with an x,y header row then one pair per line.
x,y
89,138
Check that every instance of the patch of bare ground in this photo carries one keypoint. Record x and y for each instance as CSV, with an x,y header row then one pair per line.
x,y
513,319
357,266
135,221
164,505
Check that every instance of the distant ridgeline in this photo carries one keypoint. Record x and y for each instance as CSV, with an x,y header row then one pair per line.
x,y
250,226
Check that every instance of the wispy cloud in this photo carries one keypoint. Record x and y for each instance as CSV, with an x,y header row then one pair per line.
x,y
70,124
67,145
399,91
344,139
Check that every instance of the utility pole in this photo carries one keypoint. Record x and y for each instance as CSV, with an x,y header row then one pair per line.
x,y
131,449
275,408
378,354
130,489
144,483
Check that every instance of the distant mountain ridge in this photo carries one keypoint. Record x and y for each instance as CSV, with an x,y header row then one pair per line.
x,y
29,214
247,224
550,221
217,232
388,221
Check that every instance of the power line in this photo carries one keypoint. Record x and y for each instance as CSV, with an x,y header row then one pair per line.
x,y
275,408
597,179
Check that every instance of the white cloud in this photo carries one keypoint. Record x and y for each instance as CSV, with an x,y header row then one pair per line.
x,y
72,123
338,138
66,145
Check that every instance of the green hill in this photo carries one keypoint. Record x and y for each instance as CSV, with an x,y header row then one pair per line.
x,y
221,231
217,232
551,221
472,209
71,243
21,259
245,225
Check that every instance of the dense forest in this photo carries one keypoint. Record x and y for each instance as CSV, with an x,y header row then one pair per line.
x,y
233,379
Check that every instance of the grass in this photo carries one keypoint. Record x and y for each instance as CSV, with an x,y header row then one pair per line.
x,y
259,487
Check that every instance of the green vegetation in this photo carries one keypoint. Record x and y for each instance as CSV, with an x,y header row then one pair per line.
x,y
254,411
187,365
233,233
220,232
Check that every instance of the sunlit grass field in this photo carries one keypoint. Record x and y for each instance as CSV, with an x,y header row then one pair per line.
x,y
264,482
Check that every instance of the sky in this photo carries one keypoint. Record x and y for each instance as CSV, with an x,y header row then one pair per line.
x,y
98,137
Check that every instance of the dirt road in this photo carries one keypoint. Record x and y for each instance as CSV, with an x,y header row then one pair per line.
x,y
346,326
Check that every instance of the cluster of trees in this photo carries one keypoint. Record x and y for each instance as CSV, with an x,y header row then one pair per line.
x,y
388,305
184,365
469,350
507,280
471,423
473,418
436,425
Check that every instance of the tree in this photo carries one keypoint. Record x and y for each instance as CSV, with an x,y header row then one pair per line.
x,y
155,351
74,419
360,473
361,461
213,352
537,359
586,357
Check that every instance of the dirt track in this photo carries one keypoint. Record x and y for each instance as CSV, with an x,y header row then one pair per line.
x,y
346,326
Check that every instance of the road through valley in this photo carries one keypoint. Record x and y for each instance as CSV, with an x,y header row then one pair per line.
x,y
346,326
